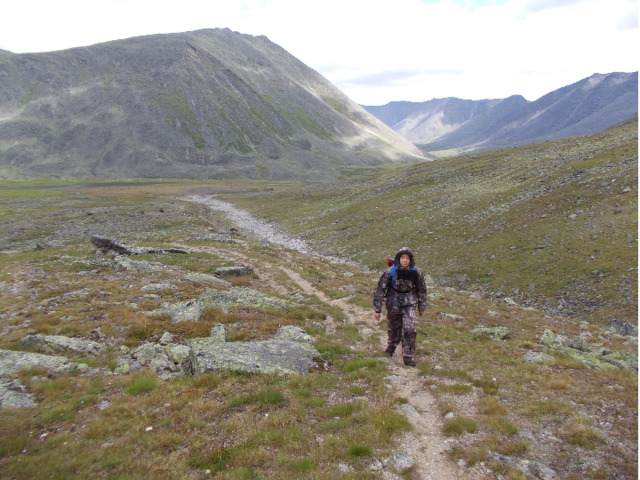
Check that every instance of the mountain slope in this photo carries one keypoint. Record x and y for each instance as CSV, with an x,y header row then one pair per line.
x,y
204,104
551,225
588,106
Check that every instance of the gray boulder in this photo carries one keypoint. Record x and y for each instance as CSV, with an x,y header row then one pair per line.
x,y
182,311
218,333
205,278
289,352
497,333
399,462
13,395
58,343
192,309
122,262
241,296
551,340
528,467
234,270
12,362
165,359
212,237
537,357
577,349
106,244
622,328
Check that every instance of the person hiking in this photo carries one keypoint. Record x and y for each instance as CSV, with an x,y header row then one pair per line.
x,y
403,288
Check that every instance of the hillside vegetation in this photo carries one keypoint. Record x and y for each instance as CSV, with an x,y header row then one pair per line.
x,y
552,225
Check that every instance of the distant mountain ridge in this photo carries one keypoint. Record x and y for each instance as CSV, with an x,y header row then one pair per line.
x,y
205,104
451,124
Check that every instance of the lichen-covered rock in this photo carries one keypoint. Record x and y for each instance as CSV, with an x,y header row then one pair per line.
x,y
578,343
234,270
577,349
60,343
166,360
241,296
205,278
158,359
218,333
551,340
497,333
179,355
122,262
530,468
399,462
106,244
537,357
12,362
191,310
212,237
13,395
293,333
281,355
622,328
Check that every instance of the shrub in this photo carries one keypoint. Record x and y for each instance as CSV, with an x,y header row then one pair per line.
x,y
141,385
359,451
459,425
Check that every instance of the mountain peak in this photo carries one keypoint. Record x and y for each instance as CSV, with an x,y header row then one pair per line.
x,y
210,103
445,127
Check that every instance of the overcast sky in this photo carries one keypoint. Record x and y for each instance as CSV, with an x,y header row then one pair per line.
x,y
376,51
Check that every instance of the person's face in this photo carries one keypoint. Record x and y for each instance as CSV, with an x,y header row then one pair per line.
x,y
405,260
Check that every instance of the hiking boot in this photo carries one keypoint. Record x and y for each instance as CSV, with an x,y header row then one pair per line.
x,y
408,361
389,351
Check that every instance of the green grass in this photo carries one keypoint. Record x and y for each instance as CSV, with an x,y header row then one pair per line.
x,y
460,425
140,385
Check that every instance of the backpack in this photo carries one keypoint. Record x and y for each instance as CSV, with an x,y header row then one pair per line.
x,y
392,271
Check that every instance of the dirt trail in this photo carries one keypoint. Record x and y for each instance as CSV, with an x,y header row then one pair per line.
x,y
425,443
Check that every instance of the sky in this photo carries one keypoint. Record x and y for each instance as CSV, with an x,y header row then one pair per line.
x,y
375,51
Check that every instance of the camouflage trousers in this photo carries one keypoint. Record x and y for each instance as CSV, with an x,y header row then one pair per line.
x,y
401,327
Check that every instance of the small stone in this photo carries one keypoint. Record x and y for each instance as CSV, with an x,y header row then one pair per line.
x,y
166,338
399,462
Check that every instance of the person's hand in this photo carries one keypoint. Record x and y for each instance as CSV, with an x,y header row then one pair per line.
x,y
420,313
376,315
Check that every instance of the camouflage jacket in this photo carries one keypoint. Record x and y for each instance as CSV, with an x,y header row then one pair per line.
x,y
408,289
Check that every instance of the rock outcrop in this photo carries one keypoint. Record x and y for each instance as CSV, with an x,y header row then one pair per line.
x,y
12,362
106,244
578,349
289,352
52,344
13,395
191,310
165,358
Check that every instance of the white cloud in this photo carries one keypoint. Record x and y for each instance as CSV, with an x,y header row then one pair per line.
x,y
374,50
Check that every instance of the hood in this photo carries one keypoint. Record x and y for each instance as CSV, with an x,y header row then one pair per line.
x,y
408,252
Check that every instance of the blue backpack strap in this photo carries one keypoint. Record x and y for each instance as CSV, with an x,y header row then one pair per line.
x,y
392,272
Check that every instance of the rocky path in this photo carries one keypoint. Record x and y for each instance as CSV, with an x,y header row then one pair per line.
x,y
425,443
